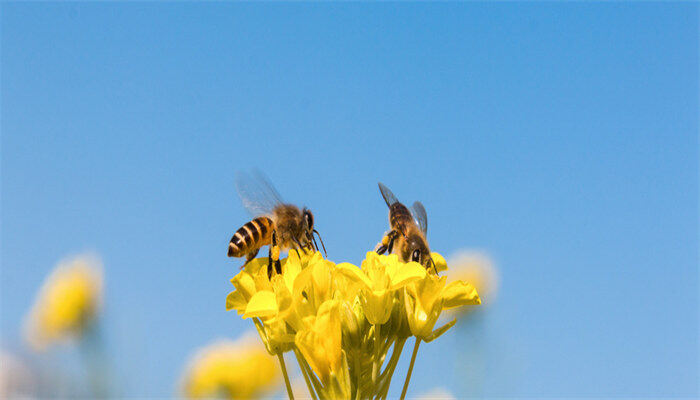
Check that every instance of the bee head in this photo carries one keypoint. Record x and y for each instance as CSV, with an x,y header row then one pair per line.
x,y
308,220
309,229
418,251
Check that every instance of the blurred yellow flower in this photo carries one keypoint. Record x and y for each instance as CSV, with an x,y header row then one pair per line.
x,y
67,303
229,369
478,269
437,393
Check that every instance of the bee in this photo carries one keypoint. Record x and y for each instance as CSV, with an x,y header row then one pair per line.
x,y
407,237
279,225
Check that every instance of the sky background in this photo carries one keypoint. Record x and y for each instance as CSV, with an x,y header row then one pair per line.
x,y
562,139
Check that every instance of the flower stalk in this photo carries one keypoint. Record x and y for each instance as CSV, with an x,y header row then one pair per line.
x,y
305,372
288,384
410,370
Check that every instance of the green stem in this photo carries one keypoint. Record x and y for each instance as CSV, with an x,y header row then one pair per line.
x,y
388,373
95,360
410,369
377,352
314,381
280,356
306,376
359,376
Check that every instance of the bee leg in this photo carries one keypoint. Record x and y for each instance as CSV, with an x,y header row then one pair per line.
x,y
298,246
387,243
269,262
273,256
278,264
276,253
391,244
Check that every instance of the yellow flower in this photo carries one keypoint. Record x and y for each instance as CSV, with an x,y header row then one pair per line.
x,y
439,260
278,300
248,283
426,298
257,295
67,303
239,369
320,341
320,344
379,278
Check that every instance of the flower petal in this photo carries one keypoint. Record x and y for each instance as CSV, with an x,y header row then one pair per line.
x,y
244,283
406,274
236,301
354,273
320,342
377,306
439,260
460,293
262,304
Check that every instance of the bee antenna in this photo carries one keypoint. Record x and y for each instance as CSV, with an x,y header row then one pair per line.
x,y
319,238
434,266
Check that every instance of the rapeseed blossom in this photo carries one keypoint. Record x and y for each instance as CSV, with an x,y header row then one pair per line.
x,y
346,325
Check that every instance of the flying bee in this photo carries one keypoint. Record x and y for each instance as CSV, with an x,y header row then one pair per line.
x,y
279,225
407,237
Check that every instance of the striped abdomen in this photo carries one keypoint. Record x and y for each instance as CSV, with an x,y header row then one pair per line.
x,y
399,217
251,237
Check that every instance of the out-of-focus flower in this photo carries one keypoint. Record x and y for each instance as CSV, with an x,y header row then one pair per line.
x,y
229,369
67,303
436,394
478,269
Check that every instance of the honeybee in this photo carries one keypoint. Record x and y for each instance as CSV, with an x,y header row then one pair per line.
x,y
279,225
407,237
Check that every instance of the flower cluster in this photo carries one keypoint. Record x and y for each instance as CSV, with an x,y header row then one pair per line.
x,y
67,303
341,321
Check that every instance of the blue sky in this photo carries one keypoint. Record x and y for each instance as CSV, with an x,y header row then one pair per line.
x,y
560,138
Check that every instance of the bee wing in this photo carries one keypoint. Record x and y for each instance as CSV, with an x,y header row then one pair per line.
x,y
389,197
257,194
420,216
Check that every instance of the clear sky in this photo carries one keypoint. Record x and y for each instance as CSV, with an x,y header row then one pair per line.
x,y
562,139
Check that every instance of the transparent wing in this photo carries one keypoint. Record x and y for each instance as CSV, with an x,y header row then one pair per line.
x,y
257,194
420,216
388,196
